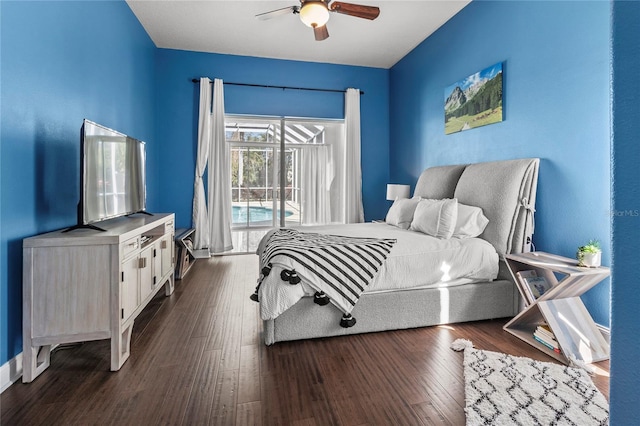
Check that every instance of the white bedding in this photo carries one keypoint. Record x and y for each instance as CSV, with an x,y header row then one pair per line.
x,y
416,260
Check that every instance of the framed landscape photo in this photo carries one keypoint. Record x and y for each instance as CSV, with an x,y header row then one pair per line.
x,y
474,101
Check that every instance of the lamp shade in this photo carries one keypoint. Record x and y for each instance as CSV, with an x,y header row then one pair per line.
x,y
314,13
395,191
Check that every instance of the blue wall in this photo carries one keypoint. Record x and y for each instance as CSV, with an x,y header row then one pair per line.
x,y
61,62
625,299
178,113
556,106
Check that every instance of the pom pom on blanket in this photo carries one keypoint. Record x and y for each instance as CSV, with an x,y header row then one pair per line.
x,y
347,321
320,298
255,296
267,269
294,278
459,345
285,275
291,276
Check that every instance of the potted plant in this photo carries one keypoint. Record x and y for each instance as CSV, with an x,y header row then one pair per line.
x,y
589,255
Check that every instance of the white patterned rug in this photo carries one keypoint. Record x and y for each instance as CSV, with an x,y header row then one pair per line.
x,y
502,389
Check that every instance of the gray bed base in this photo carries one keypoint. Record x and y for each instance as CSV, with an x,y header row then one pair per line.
x,y
403,309
506,190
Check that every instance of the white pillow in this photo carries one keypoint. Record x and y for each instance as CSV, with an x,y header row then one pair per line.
x,y
471,222
401,212
436,217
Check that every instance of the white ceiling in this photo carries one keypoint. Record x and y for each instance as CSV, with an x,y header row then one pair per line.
x,y
230,27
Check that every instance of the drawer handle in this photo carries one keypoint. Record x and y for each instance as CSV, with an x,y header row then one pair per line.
x,y
142,262
163,244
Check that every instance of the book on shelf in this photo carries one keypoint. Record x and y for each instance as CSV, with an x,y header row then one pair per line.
x,y
553,348
545,330
523,276
544,335
545,338
537,285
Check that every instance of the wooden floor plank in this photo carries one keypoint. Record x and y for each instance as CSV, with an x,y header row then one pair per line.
x,y
202,394
430,415
197,358
176,399
249,414
225,398
249,385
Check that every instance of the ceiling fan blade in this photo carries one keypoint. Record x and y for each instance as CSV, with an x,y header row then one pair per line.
x,y
358,10
278,12
321,33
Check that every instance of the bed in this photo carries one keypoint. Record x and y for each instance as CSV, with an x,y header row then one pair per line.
x,y
410,288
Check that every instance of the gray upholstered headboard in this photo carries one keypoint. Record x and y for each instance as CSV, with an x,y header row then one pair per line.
x,y
505,190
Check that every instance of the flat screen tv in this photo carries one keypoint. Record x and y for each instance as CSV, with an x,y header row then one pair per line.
x,y
112,175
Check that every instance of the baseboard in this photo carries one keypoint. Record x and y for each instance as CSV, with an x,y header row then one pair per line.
x,y
10,372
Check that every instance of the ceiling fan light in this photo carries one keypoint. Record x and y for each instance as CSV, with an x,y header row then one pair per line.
x,y
314,13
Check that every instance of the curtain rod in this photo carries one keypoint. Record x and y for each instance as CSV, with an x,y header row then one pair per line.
x,y
196,80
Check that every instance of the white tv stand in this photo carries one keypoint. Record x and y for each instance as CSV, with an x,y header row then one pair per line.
x,y
90,285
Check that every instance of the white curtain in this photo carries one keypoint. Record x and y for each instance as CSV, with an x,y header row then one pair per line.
x,y
219,178
354,211
317,175
200,217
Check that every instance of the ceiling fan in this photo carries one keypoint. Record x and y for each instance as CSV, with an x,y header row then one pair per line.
x,y
315,14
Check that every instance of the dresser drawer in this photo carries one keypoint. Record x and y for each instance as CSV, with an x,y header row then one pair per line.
x,y
130,247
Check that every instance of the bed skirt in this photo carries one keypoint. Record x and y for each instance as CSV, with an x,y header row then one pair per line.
x,y
397,310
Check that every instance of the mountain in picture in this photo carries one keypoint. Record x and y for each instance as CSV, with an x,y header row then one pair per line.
x,y
455,100
474,101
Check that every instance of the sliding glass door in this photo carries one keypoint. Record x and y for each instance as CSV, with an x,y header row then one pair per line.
x,y
254,175
283,170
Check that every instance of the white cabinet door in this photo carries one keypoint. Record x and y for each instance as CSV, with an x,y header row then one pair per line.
x,y
129,294
156,264
166,249
146,272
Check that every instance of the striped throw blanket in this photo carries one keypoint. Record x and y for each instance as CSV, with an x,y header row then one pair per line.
x,y
336,266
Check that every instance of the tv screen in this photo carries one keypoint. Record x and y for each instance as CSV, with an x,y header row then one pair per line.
x,y
113,174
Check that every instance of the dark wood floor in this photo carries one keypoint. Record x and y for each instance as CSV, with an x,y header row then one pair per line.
x,y
197,358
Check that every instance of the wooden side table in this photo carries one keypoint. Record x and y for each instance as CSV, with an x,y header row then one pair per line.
x,y
560,307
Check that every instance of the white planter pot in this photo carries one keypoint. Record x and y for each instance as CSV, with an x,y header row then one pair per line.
x,y
590,260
